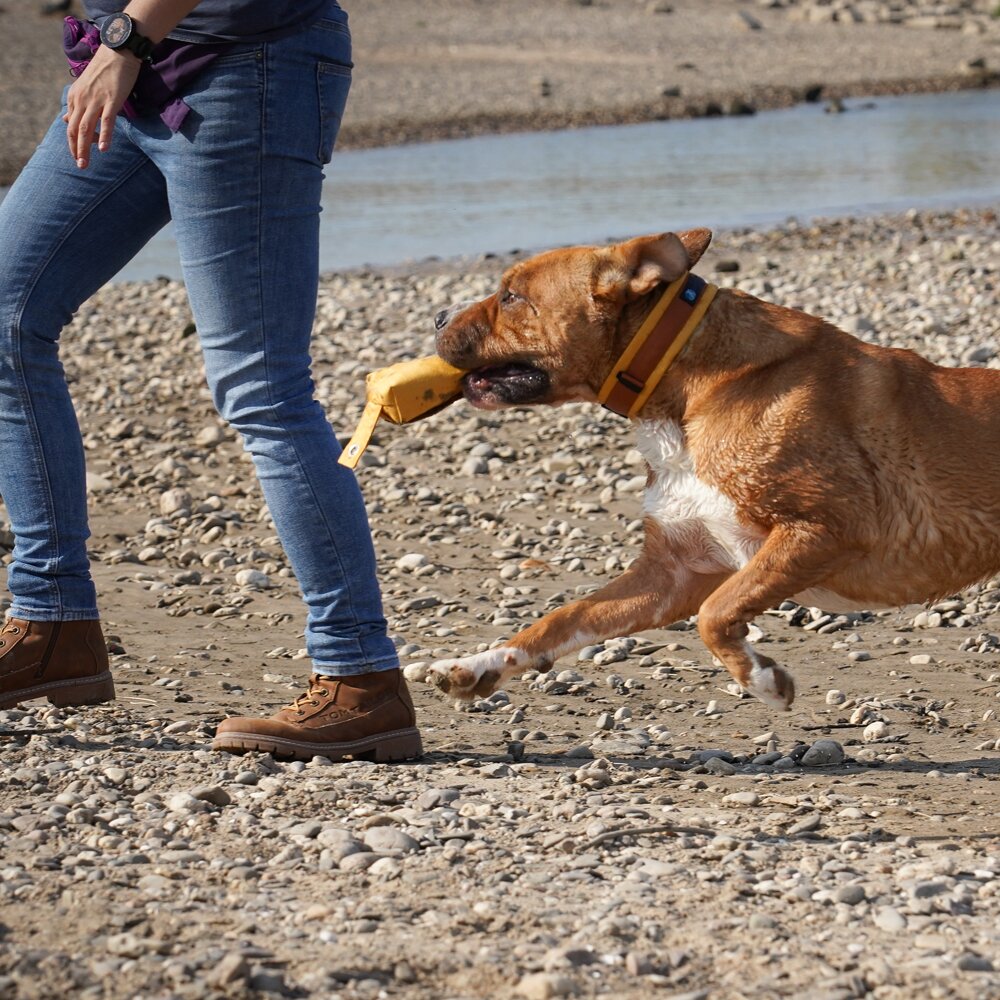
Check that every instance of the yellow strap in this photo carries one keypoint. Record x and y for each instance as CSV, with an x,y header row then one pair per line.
x,y
675,348
351,455
641,335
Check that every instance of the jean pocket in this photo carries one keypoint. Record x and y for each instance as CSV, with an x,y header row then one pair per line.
x,y
333,81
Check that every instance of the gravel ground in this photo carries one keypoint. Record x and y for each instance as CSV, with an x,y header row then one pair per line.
x,y
465,66
626,826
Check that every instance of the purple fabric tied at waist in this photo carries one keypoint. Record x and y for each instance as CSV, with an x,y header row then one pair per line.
x,y
171,70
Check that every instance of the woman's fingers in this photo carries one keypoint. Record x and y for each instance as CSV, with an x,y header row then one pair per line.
x,y
80,125
95,99
107,129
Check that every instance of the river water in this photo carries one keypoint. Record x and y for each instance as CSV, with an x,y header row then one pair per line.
x,y
535,190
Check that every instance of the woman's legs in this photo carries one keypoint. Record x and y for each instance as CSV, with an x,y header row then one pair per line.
x,y
248,234
63,233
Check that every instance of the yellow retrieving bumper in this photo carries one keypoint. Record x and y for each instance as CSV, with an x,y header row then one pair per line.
x,y
403,393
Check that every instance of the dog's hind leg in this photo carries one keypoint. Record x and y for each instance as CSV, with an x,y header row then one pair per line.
x,y
792,559
650,593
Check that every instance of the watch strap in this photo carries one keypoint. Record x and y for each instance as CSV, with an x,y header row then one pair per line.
x,y
140,45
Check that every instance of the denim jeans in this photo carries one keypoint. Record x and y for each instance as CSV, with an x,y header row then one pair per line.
x,y
241,181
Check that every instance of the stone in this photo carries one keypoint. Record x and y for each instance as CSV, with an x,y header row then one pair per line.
x,y
545,986
638,964
888,918
850,894
127,945
717,765
742,798
174,501
215,794
807,824
974,963
823,753
412,561
875,731
384,839
231,968
417,673
185,802
253,578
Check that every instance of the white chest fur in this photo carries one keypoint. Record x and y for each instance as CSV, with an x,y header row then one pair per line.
x,y
696,517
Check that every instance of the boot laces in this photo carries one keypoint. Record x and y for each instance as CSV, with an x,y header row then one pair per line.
x,y
310,698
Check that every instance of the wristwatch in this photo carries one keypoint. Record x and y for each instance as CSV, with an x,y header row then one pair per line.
x,y
118,32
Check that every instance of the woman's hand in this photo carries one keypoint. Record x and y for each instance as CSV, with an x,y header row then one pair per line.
x,y
96,98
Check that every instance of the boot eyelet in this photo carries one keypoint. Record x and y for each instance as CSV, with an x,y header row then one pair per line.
x,y
14,630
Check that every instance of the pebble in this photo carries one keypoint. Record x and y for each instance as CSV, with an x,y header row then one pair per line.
x,y
389,838
719,766
546,985
215,794
417,673
253,578
232,968
974,963
875,731
850,894
412,561
742,798
823,753
888,918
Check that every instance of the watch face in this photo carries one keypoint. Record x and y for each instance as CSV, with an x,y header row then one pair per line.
x,y
116,30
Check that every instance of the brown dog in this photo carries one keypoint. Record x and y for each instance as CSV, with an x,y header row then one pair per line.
x,y
786,458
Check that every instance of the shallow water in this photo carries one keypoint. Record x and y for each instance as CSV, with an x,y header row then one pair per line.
x,y
533,190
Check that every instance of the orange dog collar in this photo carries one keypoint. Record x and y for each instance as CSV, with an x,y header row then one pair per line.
x,y
656,344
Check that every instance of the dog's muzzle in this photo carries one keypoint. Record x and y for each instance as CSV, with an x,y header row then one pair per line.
x,y
445,316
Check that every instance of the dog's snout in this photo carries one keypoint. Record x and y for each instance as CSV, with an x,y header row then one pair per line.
x,y
443,318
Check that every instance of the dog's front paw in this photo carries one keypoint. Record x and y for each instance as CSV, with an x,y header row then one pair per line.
x,y
772,684
477,675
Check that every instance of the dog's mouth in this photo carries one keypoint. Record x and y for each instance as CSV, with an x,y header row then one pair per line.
x,y
505,385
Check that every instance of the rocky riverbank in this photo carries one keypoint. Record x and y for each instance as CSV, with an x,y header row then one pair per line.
x,y
465,67
627,826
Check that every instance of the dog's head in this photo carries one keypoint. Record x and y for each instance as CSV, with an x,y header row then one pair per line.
x,y
553,329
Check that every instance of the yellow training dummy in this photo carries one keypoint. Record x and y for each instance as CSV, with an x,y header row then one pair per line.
x,y
403,393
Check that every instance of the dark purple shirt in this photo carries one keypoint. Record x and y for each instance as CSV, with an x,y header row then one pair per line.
x,y
173,67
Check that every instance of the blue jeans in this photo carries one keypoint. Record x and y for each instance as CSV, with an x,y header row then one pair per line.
x,y
241,181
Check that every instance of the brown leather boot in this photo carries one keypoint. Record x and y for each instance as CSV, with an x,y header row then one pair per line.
x,y
66,662
368,716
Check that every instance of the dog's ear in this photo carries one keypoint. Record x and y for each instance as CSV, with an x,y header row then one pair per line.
x,y
696,243
630,270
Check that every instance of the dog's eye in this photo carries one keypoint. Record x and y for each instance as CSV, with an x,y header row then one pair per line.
x,y
507,296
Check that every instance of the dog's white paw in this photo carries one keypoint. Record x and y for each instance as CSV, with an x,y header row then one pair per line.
x,y
772,684
477,675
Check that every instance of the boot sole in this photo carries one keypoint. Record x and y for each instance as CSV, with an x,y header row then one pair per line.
x,y
383,748
93,690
